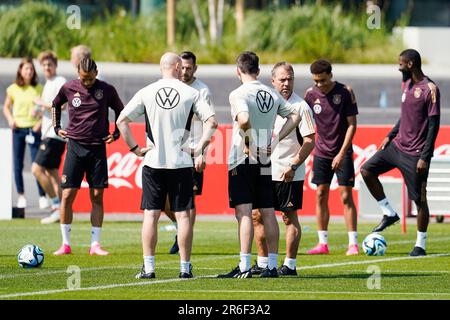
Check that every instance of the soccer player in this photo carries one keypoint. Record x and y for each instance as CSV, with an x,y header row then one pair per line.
x,y
254,107
288,173
48,159
188,69
335,111
409,146
88,100
168,106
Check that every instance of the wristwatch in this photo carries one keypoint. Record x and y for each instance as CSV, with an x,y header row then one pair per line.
x,y
294,166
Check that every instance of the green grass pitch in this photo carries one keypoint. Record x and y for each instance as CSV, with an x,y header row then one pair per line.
x,y
215,251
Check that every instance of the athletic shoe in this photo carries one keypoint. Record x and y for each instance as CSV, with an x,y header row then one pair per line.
x,y
352,250
386,222
21,202
255,270
54,217
175,247
286,271
186,275
319,249
143,275
96,250
269,273
417,252
65,249
236,273
43,202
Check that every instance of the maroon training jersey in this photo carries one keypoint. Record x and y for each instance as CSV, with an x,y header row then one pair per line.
x,y
88,110
330,113
419,101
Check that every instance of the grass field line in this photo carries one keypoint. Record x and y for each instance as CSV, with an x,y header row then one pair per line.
x,y
371,261
309,292
127,266
119,285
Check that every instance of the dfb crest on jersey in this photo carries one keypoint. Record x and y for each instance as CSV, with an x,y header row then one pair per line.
x,y
264,101
417,93
337,99
167,98
98,94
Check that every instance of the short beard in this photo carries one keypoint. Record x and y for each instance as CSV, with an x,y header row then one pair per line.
x,y
406,75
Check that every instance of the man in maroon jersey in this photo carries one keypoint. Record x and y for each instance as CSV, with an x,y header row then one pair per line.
x,y
412,146
88,100
335,110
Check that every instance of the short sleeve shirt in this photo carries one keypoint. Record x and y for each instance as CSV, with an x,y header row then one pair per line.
x,y
168,106
23,104
330,113
51,89
419,102
289,147
263,105
197,125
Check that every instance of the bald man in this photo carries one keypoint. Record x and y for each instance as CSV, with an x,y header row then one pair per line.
x,y
168,106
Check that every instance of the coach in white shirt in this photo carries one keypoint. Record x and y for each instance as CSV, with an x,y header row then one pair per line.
x,y
288,173
168,106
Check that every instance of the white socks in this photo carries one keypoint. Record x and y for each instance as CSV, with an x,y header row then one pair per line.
x,y
273,261
65,232
323,236
244,265
95,235
262,262
149,264
290,263
352,238
421,239
185,266
386,208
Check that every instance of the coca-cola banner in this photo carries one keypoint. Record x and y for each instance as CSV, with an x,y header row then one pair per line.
x,y
125,183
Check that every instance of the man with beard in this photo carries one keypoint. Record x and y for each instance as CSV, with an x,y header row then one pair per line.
x,y
412,146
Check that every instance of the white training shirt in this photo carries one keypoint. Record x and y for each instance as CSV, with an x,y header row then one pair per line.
x,y
263,105
289,147
197,125
50,91
168,105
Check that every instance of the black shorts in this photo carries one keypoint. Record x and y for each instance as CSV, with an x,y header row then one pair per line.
x,y
391,157
197,178
250,183
81,159
158,184
287,196
50,153
323,174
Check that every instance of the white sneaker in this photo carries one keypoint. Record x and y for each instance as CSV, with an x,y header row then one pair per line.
x,y
21,202
43,203
54,217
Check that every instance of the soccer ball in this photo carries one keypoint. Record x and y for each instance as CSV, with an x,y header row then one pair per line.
x,y
374,245
30,256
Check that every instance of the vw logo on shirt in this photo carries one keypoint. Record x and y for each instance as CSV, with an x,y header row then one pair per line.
x,y
76,102
167,98
264,101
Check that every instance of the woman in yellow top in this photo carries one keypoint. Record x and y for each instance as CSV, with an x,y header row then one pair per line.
x,y
25,122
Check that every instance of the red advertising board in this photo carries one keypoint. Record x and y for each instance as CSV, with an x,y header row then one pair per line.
x,y
125,184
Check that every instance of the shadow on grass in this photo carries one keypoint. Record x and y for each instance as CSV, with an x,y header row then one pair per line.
x,y
366,276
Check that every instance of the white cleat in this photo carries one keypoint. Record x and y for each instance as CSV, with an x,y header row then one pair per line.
x,y
21,202
54,217
43,203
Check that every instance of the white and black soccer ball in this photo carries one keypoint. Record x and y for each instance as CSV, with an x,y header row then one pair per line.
x,y
374,245
30,256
